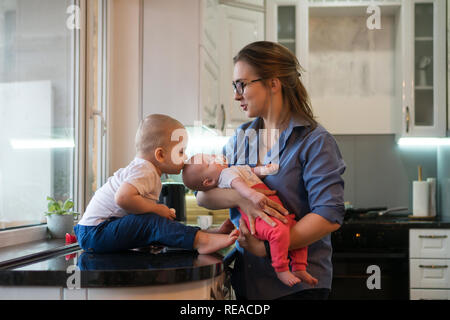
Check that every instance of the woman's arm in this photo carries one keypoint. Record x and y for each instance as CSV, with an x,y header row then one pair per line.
x,y
218,198
309,229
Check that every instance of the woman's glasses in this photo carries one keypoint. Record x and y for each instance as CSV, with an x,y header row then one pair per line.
x,y
239,86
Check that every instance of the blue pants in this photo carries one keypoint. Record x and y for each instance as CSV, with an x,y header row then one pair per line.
x,y
134,231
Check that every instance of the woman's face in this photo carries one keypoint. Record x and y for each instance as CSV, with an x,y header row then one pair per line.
x,y
254,100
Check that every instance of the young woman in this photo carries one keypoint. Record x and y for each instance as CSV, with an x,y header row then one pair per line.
x,y
267,83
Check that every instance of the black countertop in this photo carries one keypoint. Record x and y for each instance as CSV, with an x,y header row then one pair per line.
x,y
140,268
400,221
124,269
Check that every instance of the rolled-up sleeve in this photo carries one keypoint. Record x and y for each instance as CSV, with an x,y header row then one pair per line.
x,y
323,167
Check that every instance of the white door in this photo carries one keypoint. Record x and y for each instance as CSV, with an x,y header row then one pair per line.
x,y
238,27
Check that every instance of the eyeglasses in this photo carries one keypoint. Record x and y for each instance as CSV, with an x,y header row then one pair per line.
x,y
238,86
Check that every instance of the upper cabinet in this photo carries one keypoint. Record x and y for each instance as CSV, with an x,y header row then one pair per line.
x,y
187,53
362,62
239,26
424,65
180,73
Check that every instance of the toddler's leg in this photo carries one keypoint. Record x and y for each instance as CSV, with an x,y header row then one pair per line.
x,y
211,242
139,230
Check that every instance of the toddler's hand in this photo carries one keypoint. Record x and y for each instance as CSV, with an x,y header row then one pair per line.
x,y
166,212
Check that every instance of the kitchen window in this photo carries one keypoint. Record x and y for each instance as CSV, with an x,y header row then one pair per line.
x,y
44,64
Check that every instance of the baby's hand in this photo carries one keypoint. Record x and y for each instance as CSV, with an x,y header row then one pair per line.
x,y
270,168
166,212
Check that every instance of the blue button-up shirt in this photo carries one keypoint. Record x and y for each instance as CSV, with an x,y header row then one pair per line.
x,y
309,180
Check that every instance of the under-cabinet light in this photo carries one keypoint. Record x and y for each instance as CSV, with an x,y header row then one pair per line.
x,y
423,142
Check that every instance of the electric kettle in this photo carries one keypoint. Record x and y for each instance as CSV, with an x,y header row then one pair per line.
x,y
173,196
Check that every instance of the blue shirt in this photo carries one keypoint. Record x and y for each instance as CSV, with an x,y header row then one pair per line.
x,y
309,180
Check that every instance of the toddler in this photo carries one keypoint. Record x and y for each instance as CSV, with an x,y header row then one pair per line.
x,y
124,213
204,172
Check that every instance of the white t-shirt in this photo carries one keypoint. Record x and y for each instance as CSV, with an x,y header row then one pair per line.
x,y
140,173
245,172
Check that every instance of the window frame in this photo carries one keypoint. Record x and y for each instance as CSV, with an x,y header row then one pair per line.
x,y
23,234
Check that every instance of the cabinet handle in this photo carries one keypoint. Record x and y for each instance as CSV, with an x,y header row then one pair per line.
x,y
433,237
408,118
432,266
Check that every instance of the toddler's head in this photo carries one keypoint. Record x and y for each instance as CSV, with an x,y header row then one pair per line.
x,y
202,171
162,140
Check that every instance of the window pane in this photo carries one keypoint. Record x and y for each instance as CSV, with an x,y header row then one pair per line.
x,y
36,108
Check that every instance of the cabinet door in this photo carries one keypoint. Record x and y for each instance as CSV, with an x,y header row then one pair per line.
x,y
212,113
424,104
209,19
238,27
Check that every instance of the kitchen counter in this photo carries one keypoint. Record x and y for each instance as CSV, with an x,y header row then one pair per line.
x,y
125,269
133,274
400,221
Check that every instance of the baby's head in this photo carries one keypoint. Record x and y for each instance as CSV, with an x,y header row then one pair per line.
x,y
202,171
162,140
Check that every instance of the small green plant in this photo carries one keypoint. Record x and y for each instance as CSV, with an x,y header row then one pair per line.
x,y
60,208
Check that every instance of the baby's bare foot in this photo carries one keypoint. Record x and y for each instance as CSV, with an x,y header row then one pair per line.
x,y
306,277
288,278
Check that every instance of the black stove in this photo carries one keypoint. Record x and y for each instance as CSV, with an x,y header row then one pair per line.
x,y
359,248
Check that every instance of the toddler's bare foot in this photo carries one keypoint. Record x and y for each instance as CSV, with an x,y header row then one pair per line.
x,y
306,277
288,278
211,242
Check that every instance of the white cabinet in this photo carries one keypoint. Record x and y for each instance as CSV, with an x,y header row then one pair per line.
x,y
238,27
364,77
188,49
424,66
429,264
180,51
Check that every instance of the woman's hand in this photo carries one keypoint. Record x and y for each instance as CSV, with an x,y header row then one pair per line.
x,y
271,209
249,242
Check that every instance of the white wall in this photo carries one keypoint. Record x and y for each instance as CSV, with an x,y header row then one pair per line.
x,y
124,81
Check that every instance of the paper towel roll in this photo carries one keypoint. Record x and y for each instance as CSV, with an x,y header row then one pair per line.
x,y
420,198
432,196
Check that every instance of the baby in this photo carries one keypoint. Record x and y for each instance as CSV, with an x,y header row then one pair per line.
x,y
124,213
204,172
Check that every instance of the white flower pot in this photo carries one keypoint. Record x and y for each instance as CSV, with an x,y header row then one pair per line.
x,y
59,225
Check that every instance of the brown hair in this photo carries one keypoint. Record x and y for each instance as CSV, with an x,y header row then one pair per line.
x,y
272,60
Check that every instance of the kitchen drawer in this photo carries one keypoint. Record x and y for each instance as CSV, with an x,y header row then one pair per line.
x,y
429,273
430,294
429,243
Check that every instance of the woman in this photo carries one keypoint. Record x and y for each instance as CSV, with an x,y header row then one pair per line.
x,y
267,84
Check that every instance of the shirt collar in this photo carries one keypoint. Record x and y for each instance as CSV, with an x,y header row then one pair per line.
x,y
294,122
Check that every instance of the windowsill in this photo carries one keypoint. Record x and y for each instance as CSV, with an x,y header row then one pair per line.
x,y
29,249
18,236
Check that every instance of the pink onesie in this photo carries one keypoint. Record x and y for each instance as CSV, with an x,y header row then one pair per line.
x,y
278,236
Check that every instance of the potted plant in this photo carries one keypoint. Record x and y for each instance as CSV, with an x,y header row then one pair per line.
x,y
60,217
